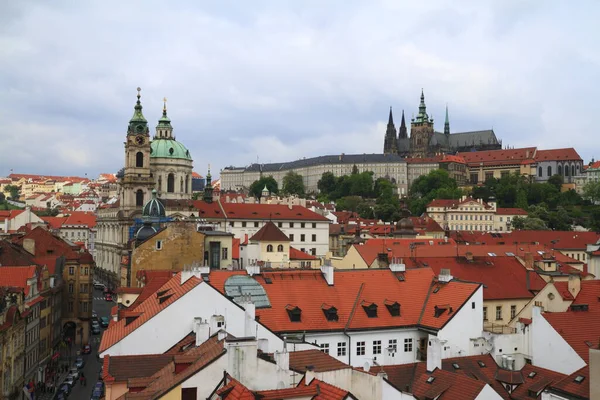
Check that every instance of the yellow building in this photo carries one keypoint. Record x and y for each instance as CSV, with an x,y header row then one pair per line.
x,y
484,165
12,342
269,245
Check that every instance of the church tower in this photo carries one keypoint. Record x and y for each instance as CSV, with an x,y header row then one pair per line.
x,y
137,182
402,133
447,123
421,131
390,144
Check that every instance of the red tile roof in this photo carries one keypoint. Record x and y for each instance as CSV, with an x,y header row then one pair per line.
x,y
122,368
499,157
316,390
444,158
250,211
9,317
81,218
510,211
150,307
580,328
425,224
235,251
296,254
17,276
565,240
567,154
316,359
54,222
270,233
569,386
12,254
454,203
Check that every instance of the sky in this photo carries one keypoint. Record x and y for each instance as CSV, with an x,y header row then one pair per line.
x,y
279,80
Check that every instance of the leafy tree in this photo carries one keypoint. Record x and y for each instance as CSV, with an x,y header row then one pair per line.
x,y
293,183
2,197
591,191
13,190
354,169
556,181
257,186
327,183
534,224
361,184
386,212
521,200
435,185
349,203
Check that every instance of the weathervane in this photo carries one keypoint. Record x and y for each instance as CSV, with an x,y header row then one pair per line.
x,y
164,104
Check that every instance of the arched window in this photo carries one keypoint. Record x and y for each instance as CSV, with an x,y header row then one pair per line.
x,y
549,170
170,183
280,248
270,248
139,198
181,184
540,171
566,170
187,178
159,183
560,169
572,170
139,159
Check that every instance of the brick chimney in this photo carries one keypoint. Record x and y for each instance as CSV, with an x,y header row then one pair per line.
x,y
528,258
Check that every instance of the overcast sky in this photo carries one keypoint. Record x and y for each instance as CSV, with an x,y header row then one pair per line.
x,y
281,80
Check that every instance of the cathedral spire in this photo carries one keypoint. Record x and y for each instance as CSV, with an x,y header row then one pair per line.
x,y
137,123
422,115
391,117
447,123
390,144
402,133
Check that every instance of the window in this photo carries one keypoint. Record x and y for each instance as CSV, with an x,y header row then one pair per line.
x,y
408,345
360,348
243,224
171,183
498,312
139,159
280,248
473,305
83,288
341,349
540,171
269,248
314,237
71,288
549,171
314,224
485,313
256,224
474,178
86,271
302,237
159,245
291,235
313,251
513,311
85,306
302,225
291,224
376,346
393,345
139,198
70,306
280,224
324,347
224,252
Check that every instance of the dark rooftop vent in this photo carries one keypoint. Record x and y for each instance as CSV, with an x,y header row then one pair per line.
x,y
579,307
164,298
268,281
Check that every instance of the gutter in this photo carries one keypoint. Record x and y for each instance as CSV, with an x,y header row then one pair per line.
x,y
362,285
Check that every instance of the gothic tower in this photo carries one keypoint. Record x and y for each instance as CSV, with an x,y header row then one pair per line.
x,y
402,133
447,123
137,183
390,144
421,131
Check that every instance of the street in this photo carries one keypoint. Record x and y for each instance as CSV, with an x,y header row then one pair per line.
x,y
92,366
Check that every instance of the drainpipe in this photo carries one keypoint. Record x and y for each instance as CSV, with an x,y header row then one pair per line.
x,y
349,347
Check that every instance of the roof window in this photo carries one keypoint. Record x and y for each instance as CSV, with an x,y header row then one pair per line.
x,y
455,366
439,310
294,312
532,374
370,309
393,308
164,298
430,379
579,379
330,312
579,307
481,364
268,281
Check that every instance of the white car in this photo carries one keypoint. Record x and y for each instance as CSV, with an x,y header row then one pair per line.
x,y
74,372
70,381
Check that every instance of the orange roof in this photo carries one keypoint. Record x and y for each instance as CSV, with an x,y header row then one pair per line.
x,y
196,175
425,224
563,240
315,390
499,157
566,154
570,386
296,254
443,158
352,294
87,219
510,211
318,360
235,251
147,309
17,276
270,212
270,233
454,203
580,328
54,222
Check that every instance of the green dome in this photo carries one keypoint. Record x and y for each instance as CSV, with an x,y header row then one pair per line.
x,y
154,208
169,148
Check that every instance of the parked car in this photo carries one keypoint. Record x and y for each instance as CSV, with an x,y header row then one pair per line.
x,y
104,322
99,386
108,297
99,286
95,322
66,389
96,395
94,315
60,395
74,373
96,329
79,363
70,381
87,349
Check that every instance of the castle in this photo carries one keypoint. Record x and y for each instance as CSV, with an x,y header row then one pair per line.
x,y
424,141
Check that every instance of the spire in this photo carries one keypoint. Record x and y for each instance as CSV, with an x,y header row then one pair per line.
x,y
391,117
402,132
447,123
390,145
208,189
137,123
422,115
164,130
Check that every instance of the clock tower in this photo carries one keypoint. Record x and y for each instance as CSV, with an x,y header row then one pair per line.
x,y
137,182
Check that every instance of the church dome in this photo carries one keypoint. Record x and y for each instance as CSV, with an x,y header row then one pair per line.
x,y
169,148
154,208
145,232
405,224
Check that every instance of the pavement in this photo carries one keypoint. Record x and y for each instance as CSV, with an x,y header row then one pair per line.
x,y
92,366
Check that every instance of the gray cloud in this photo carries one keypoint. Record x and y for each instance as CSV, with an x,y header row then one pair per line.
x,y
281,80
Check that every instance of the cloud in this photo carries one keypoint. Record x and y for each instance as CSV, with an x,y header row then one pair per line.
x,y
283,80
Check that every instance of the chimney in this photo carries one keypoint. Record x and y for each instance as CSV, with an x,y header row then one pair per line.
x,y
510,363
241,360
504,362
250,319
434,354
193,270
217,322
202,330
327,270
528,258
263,345
574,284
282,359
397,265
253,270
29,246
445,275
382,374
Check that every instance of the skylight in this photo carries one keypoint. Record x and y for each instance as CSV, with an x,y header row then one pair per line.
x,y
455,366
492,254
430,379
579,379
240,287
481,364
532,374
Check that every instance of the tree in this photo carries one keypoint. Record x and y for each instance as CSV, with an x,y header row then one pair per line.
x,y
327,183
387,212
257,187
354,169
293,183
534,224
591,191
2,197
521,201
13,190
349,203
556,181
435,185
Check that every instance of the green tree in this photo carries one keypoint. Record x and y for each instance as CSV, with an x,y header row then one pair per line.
x,y
521,201
534,224
293,183
361,184
257,186
13,190
2,197
327,183
386,212
591,191
354,169
349,203
556,181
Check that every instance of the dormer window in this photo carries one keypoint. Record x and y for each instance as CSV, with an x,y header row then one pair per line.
x,y
330,312
439,310
393,308
370,309
294,312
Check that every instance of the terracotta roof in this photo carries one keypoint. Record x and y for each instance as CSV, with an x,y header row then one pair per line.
x,y
566,154
153,280
234,390
564,240
580,328
148,309
235,251
563,289
17,276
9,317
12,254
510,211
316,359
352,292
87,219
122,368
276,212
499,157
296,254
454,203
426,224
270,233
315,390
568,385
54,222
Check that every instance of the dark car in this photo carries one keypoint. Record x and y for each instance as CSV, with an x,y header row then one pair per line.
x,y
104,322
86,349
79,363
99,386
96,330
65,389
98,285
96,395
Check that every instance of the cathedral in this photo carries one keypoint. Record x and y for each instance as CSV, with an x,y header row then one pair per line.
x,y
157,169
424,141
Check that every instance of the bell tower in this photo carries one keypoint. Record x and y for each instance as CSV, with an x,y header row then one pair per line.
x,y
421,131
137,182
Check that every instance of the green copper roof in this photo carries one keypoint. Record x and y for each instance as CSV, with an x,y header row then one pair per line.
x,y
169,148
138,123
422,115
164,121
154,208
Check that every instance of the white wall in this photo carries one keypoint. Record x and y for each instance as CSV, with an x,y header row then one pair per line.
x,y
207,379
487,393
466,324
549,349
